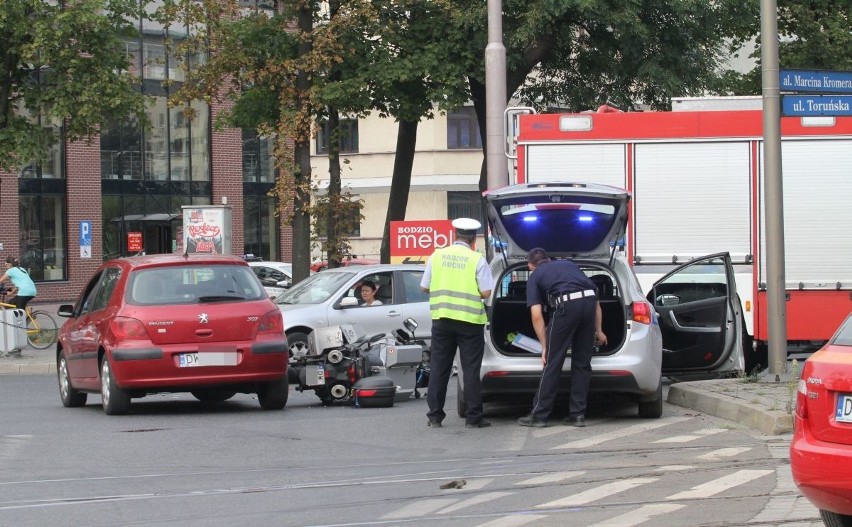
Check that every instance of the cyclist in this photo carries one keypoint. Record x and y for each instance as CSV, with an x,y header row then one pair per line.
x,y
25,289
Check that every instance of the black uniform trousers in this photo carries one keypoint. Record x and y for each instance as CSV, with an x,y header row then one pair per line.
x,y
572,324
447,335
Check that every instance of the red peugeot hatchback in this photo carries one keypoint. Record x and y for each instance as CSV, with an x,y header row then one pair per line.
x,y
821,450
172,323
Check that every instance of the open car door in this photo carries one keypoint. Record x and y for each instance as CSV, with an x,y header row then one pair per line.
x,y
700,317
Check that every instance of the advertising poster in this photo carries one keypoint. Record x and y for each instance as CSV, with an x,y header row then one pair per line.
x,y
207,229
414,241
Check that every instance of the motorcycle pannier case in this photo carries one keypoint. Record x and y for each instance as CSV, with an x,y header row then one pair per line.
x,y
374,392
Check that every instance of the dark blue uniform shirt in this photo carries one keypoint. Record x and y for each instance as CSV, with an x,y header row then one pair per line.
x,y
554,278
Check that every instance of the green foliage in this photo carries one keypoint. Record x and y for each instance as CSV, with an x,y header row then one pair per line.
x,y
62,65
813,35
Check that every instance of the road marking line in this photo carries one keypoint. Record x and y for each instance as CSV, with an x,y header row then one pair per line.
x,y
674,468
624,432
419,508
476,500
474,484
723,453
513,521
552,478
597,493
687,438
711,488
640,515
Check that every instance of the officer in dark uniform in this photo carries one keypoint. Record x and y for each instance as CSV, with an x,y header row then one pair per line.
x,y
568,294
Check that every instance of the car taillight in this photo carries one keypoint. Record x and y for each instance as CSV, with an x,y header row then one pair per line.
x,y
126,328
802,400
642,312
272,322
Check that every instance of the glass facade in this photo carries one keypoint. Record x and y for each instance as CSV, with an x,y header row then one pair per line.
x,y
260,223
41,209
149,173
348,137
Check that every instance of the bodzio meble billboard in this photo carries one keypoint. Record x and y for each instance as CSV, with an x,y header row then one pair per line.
x,y
414,241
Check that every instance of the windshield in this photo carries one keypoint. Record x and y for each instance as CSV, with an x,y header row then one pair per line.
x,y
315,289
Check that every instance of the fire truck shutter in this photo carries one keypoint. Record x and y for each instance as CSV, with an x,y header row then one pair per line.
x,y
586,163
817,215
673,186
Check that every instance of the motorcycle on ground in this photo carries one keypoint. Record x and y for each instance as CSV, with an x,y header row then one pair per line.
x,y
344,366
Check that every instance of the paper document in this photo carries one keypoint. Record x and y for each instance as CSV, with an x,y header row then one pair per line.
x,y
526,343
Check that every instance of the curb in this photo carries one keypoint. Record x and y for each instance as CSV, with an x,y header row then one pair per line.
x,y
40,368
771,422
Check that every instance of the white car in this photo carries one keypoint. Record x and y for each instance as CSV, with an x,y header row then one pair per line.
x,y
690,324
276,277
332,298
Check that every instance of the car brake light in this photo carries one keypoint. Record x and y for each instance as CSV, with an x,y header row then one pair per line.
x,y
126,328
272,322
802,400
642,312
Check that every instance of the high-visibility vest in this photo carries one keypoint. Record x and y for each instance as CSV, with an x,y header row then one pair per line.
x,y
453,290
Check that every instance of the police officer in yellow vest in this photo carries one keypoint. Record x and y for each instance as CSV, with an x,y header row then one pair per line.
x,y
457,279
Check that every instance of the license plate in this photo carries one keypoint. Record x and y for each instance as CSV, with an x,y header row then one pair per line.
x,y
208,358
315,376
844,408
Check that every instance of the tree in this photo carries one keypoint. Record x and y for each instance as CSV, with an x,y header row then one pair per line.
x,y
813,35
577,55
62,63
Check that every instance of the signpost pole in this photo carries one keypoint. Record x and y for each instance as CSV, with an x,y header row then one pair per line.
x,y
773,190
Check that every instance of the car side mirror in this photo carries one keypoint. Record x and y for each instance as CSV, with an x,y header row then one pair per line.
x,y
65,310
349,301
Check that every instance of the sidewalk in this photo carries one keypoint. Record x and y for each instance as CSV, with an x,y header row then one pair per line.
x,y
33,361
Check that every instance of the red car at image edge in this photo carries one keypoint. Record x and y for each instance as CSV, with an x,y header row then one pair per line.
x,y
821,449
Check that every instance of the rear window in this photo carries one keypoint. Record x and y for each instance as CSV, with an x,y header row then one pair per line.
x,y
557,227
188,284
843,337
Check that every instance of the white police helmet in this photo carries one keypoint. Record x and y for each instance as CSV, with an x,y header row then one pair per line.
x,y
466,226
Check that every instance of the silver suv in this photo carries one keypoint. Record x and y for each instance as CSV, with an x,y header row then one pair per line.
x,y
688,325
332,298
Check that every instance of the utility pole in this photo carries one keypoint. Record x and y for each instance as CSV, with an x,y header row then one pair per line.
x,y
773,197
497,170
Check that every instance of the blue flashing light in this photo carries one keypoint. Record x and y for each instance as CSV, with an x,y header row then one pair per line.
x,y
530,218
585,218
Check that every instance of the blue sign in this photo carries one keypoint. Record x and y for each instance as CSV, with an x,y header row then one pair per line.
x,y
814,81
816,105
85,239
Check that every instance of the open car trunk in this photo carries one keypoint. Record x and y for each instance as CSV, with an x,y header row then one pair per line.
x,y
510,315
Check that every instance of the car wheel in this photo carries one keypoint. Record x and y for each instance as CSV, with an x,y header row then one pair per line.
x,y
652,408
298,343
213,395
273,395
461,404
115,400
71,398
832,519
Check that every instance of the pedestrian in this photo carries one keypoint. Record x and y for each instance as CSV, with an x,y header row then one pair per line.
x,y
457,279
568,295
368,294
24,289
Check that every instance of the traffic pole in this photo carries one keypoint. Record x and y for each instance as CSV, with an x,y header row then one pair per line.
x,y
776,287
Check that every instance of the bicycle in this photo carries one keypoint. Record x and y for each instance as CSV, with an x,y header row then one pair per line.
x,y
42,330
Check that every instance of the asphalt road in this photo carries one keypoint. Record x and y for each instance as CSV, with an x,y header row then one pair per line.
x,y
174,461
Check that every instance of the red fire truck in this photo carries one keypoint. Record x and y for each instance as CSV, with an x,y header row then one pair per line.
x,y
697,183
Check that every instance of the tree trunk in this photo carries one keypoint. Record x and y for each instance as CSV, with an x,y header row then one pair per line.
x,y
332,234
302,149
406,141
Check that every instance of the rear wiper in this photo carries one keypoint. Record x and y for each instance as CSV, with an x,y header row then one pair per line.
x,y
219,298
